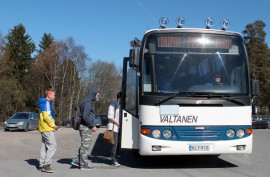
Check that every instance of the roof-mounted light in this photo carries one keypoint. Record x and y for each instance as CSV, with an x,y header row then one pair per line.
x,y
163,21
225,23
209,22
180,21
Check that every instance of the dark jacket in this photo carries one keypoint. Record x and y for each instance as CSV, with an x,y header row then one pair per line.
x,y
87,108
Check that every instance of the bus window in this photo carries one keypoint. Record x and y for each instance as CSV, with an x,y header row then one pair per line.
x,y
130,101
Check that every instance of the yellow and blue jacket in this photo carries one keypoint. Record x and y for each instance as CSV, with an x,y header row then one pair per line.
x,y
46,120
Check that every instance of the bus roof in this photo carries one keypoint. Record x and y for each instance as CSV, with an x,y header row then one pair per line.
x,y
198,30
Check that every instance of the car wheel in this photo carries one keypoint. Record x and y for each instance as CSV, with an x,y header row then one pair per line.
x,y
6,129
268,127
26,128
68,125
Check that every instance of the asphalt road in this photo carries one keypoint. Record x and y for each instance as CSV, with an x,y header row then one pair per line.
x,y
19,156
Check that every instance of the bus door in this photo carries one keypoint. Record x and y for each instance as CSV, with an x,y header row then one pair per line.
x,y
130,119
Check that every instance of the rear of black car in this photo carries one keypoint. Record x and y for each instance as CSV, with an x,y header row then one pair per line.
x,y
260,121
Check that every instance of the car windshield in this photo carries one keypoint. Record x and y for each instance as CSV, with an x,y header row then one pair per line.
x,y
20,116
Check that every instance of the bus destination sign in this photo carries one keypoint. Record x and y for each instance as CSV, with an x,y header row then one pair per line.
x,y
194,42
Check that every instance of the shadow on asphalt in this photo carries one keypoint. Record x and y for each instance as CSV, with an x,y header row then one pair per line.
x,y
64,161
33,162
67,161
101,154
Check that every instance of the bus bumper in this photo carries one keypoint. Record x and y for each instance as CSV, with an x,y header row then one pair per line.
x,y
152,147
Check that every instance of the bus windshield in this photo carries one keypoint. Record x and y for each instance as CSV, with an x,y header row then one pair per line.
x,y
194,62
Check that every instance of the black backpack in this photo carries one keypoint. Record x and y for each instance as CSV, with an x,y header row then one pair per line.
x,y
76,119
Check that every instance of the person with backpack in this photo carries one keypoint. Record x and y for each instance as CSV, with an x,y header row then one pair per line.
x,y
86,128
114,114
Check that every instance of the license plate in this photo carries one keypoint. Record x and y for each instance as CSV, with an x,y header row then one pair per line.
x,y
199,148
11,125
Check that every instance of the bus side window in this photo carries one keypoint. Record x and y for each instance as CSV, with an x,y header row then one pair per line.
x,y
147,83
131,95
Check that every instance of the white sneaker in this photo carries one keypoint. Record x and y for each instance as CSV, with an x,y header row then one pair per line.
x,y
87,167
116,164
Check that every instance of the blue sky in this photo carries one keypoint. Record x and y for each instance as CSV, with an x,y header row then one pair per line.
x,y
105,27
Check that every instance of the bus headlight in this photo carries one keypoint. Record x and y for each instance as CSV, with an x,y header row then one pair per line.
x,y
230,133
163,22
180,21
209,22
240,133
167,133
225,23
156,133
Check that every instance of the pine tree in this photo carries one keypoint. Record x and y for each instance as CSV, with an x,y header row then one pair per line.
x,y
259,58
45,42
20,48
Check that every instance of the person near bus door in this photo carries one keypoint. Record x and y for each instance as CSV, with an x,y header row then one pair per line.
x,y
114,114
87,127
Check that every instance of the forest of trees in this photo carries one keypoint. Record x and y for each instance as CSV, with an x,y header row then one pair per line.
x,y
259,61
26,70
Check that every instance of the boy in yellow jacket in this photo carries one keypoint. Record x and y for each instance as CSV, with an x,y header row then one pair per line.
x,y
46,126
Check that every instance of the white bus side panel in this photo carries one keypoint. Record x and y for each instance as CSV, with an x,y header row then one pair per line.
x,y
150,115
129,131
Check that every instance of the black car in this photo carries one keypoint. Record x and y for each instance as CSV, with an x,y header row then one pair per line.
x,y
67,123
260,121
97,122
104,119
268,121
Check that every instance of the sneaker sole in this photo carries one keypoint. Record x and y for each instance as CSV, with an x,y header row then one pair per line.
x,y
75,164
46,171
86,169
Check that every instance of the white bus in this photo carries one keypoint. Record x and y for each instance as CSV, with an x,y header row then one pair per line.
x,y
187,92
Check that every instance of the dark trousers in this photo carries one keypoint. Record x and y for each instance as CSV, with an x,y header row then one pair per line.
x,y
114,147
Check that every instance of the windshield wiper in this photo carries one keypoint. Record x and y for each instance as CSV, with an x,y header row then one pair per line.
x,y
201,94
226,98
167,99
220,96
170,97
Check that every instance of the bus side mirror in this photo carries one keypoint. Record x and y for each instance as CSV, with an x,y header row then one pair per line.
x,y
254,88
134,57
